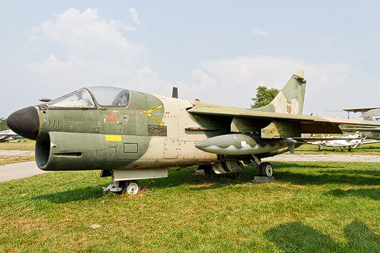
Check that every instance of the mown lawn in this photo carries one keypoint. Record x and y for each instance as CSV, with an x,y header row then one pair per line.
x,y
25,144
311,207
15,159
368,149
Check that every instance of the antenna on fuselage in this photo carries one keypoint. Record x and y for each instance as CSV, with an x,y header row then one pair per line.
x,y
175,92
45,100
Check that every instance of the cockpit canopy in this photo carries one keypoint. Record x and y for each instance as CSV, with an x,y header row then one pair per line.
x,y
83,98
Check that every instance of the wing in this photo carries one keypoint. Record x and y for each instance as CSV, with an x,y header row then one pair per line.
x,y
8,132
360,109
276,125
369,142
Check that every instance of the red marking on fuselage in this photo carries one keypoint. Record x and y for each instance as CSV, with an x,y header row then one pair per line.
x,y
111,117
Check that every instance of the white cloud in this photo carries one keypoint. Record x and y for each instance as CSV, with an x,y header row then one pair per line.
x,y
259,32
205,80
50,65
234,81
100,54
135,16
74,27
144,79
99,51
88,35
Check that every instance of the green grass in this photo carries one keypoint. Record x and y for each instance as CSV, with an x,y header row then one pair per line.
x,y
311,207
368,149
15,145
15,159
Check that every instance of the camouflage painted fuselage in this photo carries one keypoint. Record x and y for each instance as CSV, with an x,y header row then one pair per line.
x,y
152,132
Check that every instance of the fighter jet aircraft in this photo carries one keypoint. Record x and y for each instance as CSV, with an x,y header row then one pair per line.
x,y
347,140
370,114
133,135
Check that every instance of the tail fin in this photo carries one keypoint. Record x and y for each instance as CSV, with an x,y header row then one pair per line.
x,y
291,98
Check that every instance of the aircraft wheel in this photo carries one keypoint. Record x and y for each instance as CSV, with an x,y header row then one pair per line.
x,y
266,169
131,188
349,149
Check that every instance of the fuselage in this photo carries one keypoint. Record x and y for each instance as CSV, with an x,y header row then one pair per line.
x,y
128,130
108,128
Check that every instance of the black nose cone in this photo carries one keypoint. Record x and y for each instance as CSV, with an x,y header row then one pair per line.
x,y
25,122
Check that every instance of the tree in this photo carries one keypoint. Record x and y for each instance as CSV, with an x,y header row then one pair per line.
x,y
264,96
3,124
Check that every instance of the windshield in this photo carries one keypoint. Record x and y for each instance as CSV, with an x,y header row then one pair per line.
x,y
111,96
106,96
77,99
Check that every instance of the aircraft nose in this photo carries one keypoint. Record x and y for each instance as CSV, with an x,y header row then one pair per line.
x,y
25,122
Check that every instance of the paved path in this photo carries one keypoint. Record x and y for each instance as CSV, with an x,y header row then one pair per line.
x,y
28,169
19,170
332,158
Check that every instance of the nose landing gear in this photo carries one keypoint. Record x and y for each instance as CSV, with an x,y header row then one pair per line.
x,y
123,187
130,187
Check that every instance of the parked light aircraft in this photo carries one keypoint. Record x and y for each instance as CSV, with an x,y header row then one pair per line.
x,y
7,135
370,114
347,140
132,135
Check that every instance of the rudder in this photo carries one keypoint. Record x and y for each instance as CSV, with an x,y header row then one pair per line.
x,y
291,98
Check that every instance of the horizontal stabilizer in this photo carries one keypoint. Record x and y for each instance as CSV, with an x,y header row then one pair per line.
x,y
360,109
372,129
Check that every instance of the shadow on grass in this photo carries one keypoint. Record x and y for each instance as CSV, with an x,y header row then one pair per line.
x,y
296,173
375,173
289,172
284,172
366,193
298,237
187,176
325,178
74,195
302,165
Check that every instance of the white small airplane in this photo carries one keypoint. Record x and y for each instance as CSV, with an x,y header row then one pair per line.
x,y
347,140
7,135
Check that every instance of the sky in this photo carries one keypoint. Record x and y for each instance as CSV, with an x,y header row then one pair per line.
x,y
216,51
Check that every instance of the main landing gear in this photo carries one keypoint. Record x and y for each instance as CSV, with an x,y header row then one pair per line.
x,y
265,168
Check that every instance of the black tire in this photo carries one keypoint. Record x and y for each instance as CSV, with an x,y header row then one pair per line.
x,y
266,170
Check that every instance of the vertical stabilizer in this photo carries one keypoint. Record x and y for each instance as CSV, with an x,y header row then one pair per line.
x,y
291,98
